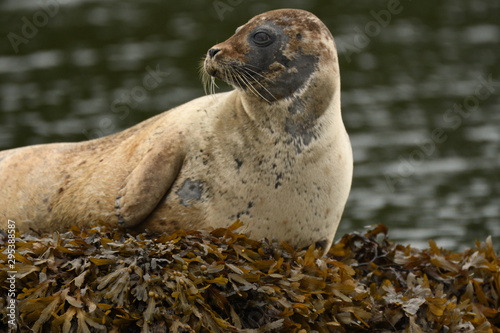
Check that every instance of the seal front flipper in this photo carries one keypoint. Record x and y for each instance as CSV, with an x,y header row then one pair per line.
x,y
147,184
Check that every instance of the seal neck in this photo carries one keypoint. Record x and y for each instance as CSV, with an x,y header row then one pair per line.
x,y
318,98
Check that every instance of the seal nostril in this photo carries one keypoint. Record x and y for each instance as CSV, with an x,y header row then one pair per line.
x,y
213,52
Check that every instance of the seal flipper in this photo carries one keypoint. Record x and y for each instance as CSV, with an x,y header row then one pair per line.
x,y
146,185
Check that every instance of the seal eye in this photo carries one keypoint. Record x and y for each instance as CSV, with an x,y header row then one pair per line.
x,y
262,39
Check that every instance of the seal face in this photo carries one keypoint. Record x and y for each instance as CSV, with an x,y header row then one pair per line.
x,y
271,55
273,152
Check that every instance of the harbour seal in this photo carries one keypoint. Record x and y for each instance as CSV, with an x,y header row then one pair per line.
x,y
273,152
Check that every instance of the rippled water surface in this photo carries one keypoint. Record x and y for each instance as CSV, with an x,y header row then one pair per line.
x,y
420,93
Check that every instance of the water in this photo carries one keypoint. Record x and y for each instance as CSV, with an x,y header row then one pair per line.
x,y
420,93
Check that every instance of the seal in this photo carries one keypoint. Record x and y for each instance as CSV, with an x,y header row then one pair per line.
x,y
273,152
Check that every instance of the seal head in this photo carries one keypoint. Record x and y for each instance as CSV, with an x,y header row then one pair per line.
x,y
274,54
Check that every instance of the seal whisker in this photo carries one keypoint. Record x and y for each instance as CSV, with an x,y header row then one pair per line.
x,y
205,81
249,76
234,78
213,85
238,77
263,87
205,78
230,77
252,88
250,65
241,78
244,77
255,72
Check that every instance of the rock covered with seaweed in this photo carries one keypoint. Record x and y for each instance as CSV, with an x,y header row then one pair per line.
x,y
102,279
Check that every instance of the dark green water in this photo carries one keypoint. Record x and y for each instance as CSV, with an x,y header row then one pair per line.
x,y
420,93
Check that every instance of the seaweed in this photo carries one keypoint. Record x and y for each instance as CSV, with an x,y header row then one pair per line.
x,y
103,279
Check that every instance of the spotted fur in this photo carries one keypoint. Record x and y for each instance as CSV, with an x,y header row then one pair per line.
x,y
273,152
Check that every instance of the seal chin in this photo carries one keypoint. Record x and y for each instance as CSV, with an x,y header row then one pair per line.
x,y
209,72
210,67
212,72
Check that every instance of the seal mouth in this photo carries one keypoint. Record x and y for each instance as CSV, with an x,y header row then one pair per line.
x,y
240,76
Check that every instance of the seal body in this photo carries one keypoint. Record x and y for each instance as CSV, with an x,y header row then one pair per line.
x,y
273,153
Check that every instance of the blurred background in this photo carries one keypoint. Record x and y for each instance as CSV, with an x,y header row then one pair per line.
x,y
420,93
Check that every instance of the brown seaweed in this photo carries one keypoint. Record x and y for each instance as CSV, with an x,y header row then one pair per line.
x,y
103,279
